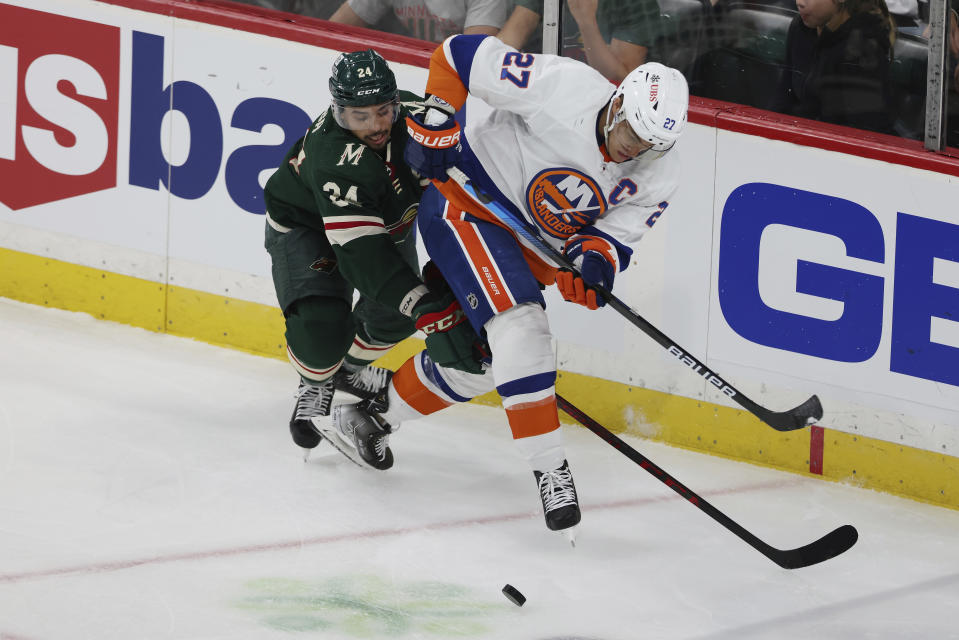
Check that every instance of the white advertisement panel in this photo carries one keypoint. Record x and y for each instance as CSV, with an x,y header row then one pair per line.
x,y
65,147
839,276
154,155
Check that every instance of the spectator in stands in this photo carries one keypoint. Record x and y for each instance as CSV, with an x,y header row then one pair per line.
x,y
837,64
314,8
952,43
613,36
905,15
432,20
952,104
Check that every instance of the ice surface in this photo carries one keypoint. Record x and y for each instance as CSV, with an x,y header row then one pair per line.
x,y
149,489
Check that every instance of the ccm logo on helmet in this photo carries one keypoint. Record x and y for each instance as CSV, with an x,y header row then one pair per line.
x,y
434,142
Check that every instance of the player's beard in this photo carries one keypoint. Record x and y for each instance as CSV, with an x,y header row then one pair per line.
x,y
378,139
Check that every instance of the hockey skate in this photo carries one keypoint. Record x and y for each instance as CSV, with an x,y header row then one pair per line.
x,y
364,383
312,401
359,434
560,504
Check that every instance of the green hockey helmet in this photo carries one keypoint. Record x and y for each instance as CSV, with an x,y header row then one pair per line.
x,y
361,79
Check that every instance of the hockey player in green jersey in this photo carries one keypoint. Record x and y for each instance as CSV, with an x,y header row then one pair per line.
x,y
341,217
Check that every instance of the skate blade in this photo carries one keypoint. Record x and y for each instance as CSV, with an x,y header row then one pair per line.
x,y
332,435
570,535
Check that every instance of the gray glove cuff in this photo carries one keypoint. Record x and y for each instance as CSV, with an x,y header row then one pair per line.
x,y
409,301
438,110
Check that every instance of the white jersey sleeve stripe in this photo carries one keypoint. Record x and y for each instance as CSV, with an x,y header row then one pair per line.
x,y
344,229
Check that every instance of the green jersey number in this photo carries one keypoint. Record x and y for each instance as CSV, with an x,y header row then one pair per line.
x,y
333,190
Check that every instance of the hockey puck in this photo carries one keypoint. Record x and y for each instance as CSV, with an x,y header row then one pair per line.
x,y
513,595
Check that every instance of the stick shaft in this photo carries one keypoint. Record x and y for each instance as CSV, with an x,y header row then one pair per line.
x,y
797,418
829,546
691,496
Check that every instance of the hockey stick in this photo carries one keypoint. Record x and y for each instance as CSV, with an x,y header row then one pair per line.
x,y
803,415
826,547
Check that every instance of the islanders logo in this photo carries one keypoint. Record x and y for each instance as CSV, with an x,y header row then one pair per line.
x,y
563,200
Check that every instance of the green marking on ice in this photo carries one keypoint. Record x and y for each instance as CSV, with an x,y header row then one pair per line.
x,y
366,606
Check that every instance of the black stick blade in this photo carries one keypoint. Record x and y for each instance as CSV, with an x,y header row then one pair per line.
x,y
809,412
828,546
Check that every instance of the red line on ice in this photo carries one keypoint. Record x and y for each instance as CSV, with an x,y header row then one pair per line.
x,y
349,535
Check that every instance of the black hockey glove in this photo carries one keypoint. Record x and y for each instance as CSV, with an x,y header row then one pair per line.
x,y
450,339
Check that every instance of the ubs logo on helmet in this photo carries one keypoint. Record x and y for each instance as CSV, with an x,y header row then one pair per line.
x,y
563,200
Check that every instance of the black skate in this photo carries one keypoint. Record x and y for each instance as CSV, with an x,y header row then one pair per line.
x,y
558,493
312,401
360,435
363,383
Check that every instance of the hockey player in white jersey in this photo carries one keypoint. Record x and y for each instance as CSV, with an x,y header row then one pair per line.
x,y
585,165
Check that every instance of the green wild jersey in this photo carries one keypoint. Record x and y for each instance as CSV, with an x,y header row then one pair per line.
x,y
364,202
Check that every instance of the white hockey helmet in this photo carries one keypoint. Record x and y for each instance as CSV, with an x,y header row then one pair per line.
x,y
655,102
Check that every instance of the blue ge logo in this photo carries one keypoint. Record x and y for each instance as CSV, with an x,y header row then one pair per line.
x,y
909,258
563,200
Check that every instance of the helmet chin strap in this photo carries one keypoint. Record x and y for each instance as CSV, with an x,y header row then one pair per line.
x,y
612,120
609,116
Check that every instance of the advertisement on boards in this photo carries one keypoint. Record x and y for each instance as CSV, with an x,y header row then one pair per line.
x,y
111,134
138,143
150,138
847,280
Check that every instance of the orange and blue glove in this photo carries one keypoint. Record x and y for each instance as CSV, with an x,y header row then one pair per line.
x,y
434,143
596,259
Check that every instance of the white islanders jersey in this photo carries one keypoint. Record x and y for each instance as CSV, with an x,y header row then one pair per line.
x,y
531,138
